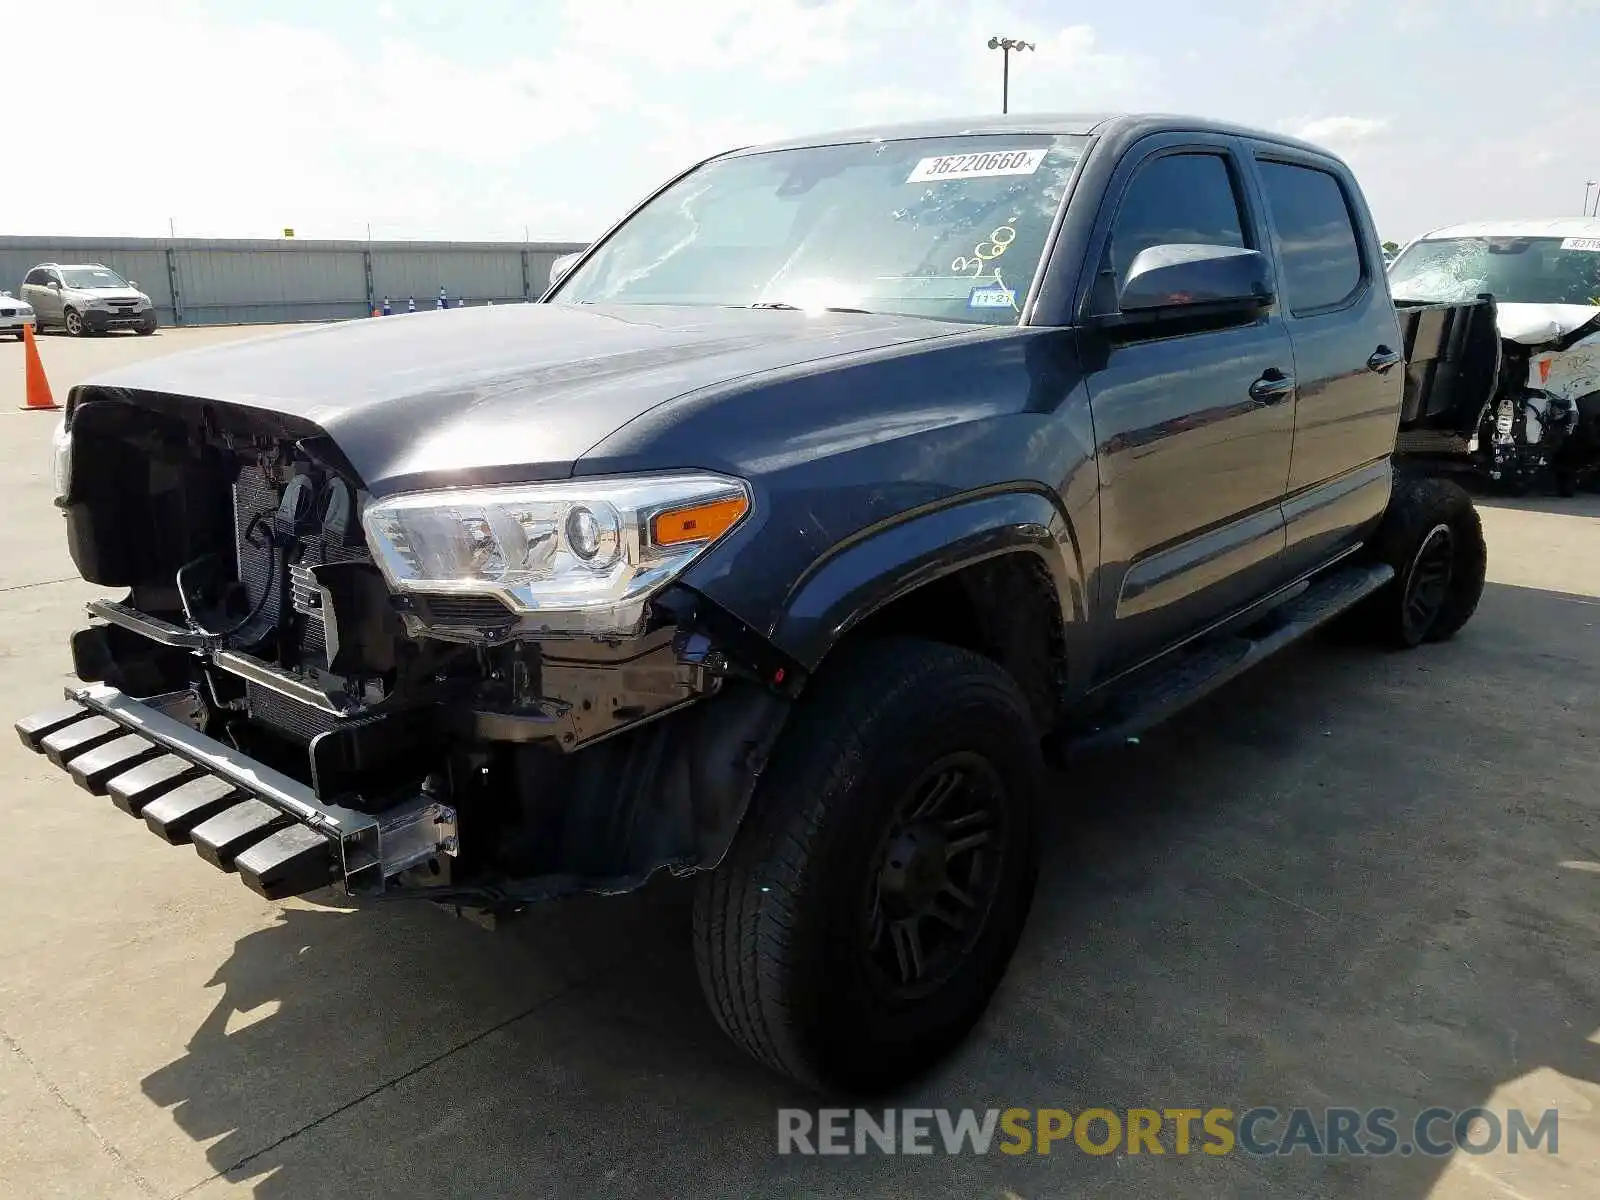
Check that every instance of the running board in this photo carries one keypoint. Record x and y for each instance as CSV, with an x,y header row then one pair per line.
x,y
1155,693
239,815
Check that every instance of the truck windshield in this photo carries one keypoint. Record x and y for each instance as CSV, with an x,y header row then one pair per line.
x,y
1515,270
948,227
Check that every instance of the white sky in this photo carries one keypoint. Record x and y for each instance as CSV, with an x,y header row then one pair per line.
x,y
482,119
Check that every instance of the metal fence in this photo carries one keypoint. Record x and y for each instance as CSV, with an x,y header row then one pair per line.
x,y
203,281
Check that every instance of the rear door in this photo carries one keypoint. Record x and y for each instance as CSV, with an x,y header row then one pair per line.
x,y
34,291
49,304
1347,348
1192,467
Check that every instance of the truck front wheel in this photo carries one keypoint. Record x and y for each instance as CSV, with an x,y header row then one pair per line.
x,y
867,911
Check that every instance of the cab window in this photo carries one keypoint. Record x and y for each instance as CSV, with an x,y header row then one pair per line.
x,y
1176,198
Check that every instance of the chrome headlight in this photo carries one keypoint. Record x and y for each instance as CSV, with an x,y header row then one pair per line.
x,y
61,459
575,556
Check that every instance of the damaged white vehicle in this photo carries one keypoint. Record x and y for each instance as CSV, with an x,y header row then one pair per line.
x,y
1545,278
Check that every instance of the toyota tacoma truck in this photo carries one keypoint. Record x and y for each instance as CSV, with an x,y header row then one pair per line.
x,y
815,508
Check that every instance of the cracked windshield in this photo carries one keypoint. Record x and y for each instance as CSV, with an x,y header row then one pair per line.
x,y
1517,270
952,228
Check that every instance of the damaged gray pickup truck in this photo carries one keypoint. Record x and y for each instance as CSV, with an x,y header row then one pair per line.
x,y
777,545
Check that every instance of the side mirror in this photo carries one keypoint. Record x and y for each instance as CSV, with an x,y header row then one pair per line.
x,y
134,284
54,285
562,265
1185,278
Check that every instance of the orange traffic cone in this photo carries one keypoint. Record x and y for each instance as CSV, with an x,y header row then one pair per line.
x,y
38,394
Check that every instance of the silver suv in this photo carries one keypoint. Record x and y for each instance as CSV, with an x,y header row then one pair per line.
x,y
86,298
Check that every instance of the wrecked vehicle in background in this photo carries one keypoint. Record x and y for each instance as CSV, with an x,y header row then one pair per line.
x,y
1545,279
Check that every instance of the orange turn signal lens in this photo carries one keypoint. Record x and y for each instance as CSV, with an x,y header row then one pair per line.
x,y
1544,370
701,523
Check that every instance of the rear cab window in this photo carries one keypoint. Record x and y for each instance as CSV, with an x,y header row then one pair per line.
x,y
1320,251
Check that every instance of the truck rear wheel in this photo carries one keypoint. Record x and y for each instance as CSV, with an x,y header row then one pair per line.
x,y
870,905
1431,535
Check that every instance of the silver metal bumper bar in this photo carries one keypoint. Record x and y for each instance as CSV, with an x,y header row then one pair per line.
x,y
242,665
177,778
276,788
157,630
274,680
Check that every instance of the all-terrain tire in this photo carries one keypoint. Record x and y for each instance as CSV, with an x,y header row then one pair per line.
x,y
1431,525
782,926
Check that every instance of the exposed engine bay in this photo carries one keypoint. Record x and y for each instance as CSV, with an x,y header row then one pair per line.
x,y
1546,419
1541,425
254,607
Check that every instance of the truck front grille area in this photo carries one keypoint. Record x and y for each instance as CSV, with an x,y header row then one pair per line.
x,y
257,498
256,494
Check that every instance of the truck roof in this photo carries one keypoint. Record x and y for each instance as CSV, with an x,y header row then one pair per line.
x,y
1561,227
1125,124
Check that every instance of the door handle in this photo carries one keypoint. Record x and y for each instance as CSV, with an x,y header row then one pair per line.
x,y
1272,387
1382,359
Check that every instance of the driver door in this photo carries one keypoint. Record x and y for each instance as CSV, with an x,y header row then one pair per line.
x,y
1193,454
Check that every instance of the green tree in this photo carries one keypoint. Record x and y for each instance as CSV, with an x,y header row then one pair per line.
x,y
1391,247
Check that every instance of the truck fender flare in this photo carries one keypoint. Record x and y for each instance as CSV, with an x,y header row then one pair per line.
x,y
880,564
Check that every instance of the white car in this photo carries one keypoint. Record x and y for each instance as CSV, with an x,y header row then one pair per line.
x,y
1545,279
14,314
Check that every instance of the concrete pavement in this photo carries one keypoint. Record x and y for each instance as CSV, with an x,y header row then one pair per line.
x,y
1353,879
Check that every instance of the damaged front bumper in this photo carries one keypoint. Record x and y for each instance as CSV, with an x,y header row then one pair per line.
x,y
238,814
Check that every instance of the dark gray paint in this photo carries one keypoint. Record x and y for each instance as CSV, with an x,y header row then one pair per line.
x,y
508,393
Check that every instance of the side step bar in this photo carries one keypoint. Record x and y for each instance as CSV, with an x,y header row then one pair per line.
x,y
239,815
1149,697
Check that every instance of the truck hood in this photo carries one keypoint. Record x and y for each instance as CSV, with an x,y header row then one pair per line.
x,y
505,392
1539,324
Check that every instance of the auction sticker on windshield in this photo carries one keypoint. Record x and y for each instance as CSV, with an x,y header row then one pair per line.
x,y
977,166
1590,244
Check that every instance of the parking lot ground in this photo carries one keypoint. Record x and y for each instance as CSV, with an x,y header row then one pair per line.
x,y
1351,879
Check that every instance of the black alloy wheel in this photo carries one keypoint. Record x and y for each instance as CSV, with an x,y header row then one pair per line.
x,y
934,877
1427,582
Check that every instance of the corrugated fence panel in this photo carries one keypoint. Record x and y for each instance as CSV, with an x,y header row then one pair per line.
x,y
232,286
234,281
475,275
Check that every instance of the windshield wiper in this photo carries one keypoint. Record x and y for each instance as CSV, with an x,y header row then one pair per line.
x,y
787,307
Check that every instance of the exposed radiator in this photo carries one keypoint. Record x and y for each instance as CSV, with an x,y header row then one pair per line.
x,y
255,495
286,715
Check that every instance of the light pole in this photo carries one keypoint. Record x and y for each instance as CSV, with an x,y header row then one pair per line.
x,y
1586,187
1006,46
